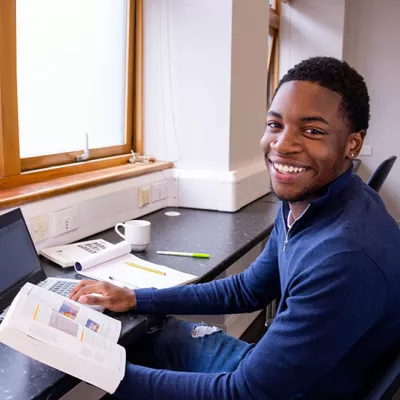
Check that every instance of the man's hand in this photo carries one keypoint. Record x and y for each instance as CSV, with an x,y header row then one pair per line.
x,y
112,297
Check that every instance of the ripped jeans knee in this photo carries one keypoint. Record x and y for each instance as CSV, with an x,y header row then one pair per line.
x,y
181,345
196,330
202,330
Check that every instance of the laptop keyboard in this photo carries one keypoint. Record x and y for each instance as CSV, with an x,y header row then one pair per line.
x,y
63,288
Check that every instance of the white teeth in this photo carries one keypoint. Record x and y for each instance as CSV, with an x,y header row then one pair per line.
x,y
288,169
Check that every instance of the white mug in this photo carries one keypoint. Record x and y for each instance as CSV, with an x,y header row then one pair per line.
x,y
137,233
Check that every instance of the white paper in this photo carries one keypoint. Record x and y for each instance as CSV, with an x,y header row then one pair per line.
x,y
133,277
111,253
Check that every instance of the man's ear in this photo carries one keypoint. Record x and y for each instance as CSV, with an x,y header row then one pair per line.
x,y
354,144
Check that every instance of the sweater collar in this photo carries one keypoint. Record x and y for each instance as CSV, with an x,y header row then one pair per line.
x,y
333,188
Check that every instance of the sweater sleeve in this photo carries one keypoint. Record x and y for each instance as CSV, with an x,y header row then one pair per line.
x,y
328,311
251,290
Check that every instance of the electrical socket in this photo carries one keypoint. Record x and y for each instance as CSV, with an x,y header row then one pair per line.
x,y
39,227
144,196
158,191
66,220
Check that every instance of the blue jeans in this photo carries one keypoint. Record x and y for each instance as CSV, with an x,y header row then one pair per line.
x,y
186,347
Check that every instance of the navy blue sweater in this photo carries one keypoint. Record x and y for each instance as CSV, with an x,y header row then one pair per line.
x,y
338,321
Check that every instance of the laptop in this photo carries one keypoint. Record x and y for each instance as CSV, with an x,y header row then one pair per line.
x,y
19,262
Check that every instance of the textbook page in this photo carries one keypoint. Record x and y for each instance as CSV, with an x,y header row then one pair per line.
x,y
101,324
59,331
53,338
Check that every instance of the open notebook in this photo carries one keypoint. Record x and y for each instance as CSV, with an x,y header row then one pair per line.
x,y
116,265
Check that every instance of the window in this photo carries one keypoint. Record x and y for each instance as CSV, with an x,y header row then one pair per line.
x,y
70,81
67,68
273,48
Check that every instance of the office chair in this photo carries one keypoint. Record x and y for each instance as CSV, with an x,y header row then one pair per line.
x,y
380,174
389,383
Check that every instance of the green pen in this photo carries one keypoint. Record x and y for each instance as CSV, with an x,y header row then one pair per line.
x,y
178,253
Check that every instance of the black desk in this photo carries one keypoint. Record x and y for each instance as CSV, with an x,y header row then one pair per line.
x,y
226,236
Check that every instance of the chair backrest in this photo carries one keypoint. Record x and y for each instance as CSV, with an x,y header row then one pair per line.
x,y
380,174
389,383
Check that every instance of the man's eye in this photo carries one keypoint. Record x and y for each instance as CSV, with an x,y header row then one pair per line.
x,y
313,131
273,125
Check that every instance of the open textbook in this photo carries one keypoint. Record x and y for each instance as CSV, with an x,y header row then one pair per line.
x,y
65,335
117,265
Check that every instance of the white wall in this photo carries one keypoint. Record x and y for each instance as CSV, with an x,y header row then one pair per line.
x,y
311,28
371,46
205,81
205,97
187,74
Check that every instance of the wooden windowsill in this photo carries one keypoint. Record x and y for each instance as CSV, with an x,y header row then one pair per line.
x,y
15,196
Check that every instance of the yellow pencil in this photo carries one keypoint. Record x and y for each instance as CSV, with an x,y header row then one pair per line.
x,y
145,268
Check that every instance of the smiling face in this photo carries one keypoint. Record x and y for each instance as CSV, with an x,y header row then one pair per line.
x,y
307,144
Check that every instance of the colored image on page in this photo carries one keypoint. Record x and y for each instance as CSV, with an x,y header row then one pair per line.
x,y
66,325
94,326
68,310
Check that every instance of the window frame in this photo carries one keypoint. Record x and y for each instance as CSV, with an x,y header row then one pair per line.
x,y
273,50
12,167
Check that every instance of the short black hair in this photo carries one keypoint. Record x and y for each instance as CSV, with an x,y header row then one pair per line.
x,y
338,76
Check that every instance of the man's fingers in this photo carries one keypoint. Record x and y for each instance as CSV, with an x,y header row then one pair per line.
x,y
97,287
80,285
93,300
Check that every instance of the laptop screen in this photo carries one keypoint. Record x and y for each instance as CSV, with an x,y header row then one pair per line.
x,y
19,262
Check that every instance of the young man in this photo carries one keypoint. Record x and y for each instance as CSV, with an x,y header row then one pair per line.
x,y
333,257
